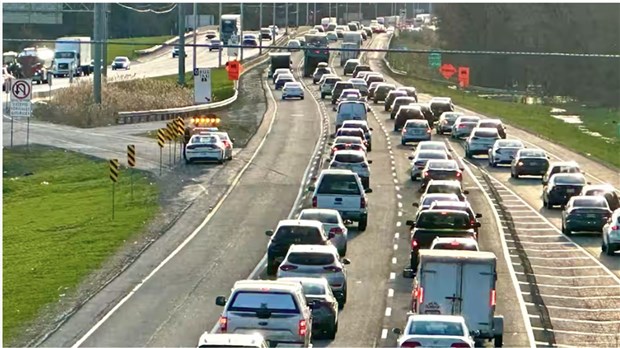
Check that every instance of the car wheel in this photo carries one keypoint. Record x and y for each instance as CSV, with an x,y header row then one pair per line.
x,y
221,161
361,226
467,154
603,247
548,205
342,302
610,251
188,161
302,98
343,252
498,341
402,142
272,268
376,101
413,177
566,231
392,117
516,175
322,96
386,108
331,332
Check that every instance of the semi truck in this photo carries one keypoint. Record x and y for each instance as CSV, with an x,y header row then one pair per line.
x,y
279,60
72,55
458,282
316,51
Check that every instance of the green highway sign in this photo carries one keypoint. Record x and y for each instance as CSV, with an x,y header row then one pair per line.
x,y
434,60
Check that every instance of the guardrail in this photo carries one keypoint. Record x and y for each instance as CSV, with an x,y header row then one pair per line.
x,y
125,117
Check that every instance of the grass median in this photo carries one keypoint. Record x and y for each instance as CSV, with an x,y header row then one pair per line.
x,y
221,87
136,43
58,228
533,118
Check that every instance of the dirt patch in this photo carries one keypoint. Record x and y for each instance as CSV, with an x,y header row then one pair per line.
x,y
178,192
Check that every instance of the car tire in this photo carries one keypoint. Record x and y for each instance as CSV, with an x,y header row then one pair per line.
x,y
188,161
283,98
343,252
362,224
272,268
342,302
375,101
516,176
322,96
603,247
610,251
403,143
386,108
331,332
467,154
302,98
413,178
498,341
220,161
566,231
439,132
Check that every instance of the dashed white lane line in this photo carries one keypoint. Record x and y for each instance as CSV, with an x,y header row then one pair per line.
x,y
399,196
397,188
384,334
395,246
395,181
400,213
392,275
388,311
396,235
398,224
390,292
394,260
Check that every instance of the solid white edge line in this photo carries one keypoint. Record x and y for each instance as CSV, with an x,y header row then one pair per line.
x,y
187,240
513,277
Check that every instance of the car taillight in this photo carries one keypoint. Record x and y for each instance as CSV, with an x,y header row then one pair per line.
x,y
336,230
410,344
458,174
314,202
223,324
288,267
461,126
493,298
428,131
419,294
459,345
425,174
226,143
363,202
303,327
414,244
472,222
333,269
615,228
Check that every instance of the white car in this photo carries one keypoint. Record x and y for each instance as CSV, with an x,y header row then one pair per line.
x,y
292,90
332,223
611,234
418,162
430,330
121,63
355,161
209,147
280,71
504,151
480,141
228,142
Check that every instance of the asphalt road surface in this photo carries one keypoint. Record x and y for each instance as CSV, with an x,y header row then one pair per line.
x,y
161,63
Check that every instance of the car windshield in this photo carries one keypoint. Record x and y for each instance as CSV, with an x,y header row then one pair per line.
x,y
442,165
339,184
429,200
450,117
431,146
348,140
431,155
469,119
590,203
348,158
488,125
261,300
323,71
121,60
533,154
443,189
444,219
311,259
569,179
509,144
313,288
298,234
326,218
204,140
485,134
413,124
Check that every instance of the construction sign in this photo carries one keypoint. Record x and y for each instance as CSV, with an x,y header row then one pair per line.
x,y
234,70
161,137
464,76
180,126
131,155
114,170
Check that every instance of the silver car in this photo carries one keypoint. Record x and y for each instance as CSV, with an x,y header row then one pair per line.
x,y
276,310
432,145
317,261
332,223
463,126
611,234
292,90
415,130
418,162
355,161
504,151
480,141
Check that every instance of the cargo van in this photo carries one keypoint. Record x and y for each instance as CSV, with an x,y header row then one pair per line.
x,y
458,282
348,111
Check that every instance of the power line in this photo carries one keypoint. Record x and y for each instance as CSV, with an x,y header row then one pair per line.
x,y
148,10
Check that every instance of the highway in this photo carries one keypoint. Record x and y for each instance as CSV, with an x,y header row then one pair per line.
x,y
161,63
167,297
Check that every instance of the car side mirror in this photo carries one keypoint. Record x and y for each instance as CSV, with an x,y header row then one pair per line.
x,y
397,331
410,158
346,261
330,144
410,223
477,224
220,301
372,129
478,215
311,188
415,204
369,161
368,190
466,192
269,233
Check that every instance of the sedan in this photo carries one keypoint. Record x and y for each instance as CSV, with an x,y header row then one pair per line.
x,y
529,162
463,126
462,206
441,170
206,148
560,167
398,102
585,213
283,79
211,34
414,129
446,186
121,63
430,330
504,151
320,261
294,45
605,190
323,304
446,121
433,145
389,99
215,45
347,143
611,234
427,200
292,90
480,141
493,123
318,73
332,223
561,187
419,161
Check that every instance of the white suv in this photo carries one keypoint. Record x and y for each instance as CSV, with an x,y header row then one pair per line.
x,y
276,310
480,141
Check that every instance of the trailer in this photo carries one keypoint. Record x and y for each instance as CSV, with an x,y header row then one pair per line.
x,y
72,56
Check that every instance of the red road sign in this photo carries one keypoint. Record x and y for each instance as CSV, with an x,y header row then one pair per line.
x,y
464,76
20,90
447,70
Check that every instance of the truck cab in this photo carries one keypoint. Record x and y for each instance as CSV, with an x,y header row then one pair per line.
x,y
72,56
459,282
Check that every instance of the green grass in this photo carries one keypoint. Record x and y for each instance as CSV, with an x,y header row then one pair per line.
x,y
57,226
533,118
138,43
221,87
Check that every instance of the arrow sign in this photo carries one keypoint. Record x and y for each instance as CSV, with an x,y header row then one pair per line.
x,y
447,70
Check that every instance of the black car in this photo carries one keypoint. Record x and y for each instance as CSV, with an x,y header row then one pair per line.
x,y
215,44
323,305
360,68
461,206
382,91
350,66
561,187
292,232
529,162
250,42
494,123
406,113
281,80
391,96
411,91
439,106
318,73
337,90
437,223
605,190
585,213
397,103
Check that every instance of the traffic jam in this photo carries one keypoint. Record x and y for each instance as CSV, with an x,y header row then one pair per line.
x,y
453,301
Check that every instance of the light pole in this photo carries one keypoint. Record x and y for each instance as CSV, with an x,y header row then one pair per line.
x,y
195,33
286,18
241,34
260,25
273,28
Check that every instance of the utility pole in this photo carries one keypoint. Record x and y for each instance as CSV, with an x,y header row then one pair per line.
x,y
314,15
286,17
260,25
220,14
181,58
307,12
241,34
337,5
376,13
329,9
297,16
195,33
104,53
273,30
360,12
97,46
346,12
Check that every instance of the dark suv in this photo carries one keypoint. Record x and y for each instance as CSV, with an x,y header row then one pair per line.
x,y
439,106
382,91
338,88
360,68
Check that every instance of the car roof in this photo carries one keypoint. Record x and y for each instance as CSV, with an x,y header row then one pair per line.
x,y
355,122
234,340
313,280
431,151
293,83
504,142
588,198
452,204
346,137
351,90
444,182
460,240
493,120
564,164
320,210
350,152
416,121
398,91
433,142
312,248
336,172
353,61
292,222
607,187
404,97
566,175
433,195
256,284
444,211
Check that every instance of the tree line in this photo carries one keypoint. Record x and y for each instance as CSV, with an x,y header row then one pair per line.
x,y
537,27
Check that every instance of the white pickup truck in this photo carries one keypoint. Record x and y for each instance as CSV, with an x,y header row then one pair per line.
x,y
458,282
343,191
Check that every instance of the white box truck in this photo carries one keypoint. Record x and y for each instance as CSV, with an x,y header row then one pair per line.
x,y
72,54
455,282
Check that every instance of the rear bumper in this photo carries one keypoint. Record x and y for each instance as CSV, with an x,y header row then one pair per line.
x,y
204,156
530,170
272,335
411,137
589,226
355,215
478,149
502,158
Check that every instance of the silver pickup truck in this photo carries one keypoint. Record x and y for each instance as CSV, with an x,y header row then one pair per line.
x,y
343,191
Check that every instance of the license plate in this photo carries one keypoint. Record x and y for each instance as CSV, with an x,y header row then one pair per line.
x,y
591,216
570,191
531,164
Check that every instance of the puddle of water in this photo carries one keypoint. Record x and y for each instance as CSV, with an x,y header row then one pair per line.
x,y
572,119
558,111
576,120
